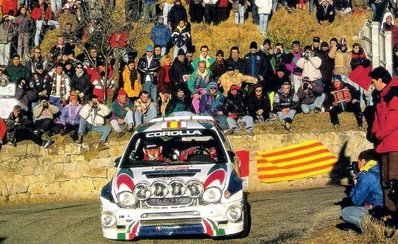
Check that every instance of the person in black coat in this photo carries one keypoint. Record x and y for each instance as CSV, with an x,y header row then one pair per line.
x,y
177,13
80,82
259,104
234,60
219,66
180,101
179,72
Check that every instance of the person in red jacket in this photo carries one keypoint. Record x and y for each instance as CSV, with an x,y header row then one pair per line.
x,y
42,15
385,134
9,6
97,78
3,130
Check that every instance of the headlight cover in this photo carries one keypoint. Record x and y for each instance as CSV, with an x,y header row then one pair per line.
x,y
108,219
194,189
212,195
234,213
159,189
142,191
126,199
177,188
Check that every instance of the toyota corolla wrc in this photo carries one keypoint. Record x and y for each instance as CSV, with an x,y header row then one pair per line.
x,y
177,176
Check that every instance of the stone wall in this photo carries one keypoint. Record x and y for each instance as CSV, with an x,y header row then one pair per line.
x,y
68,172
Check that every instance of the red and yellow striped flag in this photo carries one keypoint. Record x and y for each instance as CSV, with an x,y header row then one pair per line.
x,y
294,162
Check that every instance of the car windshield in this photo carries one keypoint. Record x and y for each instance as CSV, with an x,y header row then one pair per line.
x,y
174,147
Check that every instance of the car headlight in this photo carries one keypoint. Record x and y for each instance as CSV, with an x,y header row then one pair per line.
x,y
194,189
212,195
159,189
126,199
234,213
177,188
142,191
108,219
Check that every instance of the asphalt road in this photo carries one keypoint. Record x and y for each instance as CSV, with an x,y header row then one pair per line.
x,y
276,217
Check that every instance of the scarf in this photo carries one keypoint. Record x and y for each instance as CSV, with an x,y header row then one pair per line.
x,y
133,78
166,72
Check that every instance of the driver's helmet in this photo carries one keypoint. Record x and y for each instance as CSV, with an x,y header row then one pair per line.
x,y
153,152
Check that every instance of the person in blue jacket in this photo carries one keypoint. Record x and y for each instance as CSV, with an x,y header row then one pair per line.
x,y
161,35
366,193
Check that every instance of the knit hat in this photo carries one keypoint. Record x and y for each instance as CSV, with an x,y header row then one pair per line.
x,y
316,39
181,52
230,68
324,44
253,45
121,92
234,87
337,78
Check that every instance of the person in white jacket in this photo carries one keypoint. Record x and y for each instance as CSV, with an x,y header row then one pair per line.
x,y
264,11
310,65
92,117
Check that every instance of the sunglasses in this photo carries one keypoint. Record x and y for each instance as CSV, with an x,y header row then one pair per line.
x,y
79,67
188,56
149,51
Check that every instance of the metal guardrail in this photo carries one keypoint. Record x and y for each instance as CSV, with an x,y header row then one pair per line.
x,y
377,45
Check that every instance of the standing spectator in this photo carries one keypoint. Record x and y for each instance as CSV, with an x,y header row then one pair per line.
x,y
148,66
176,14
237,112
19,127
70,116
388,25
9,6
180,72
6,35
311,95
234,60
327,56
92,117
291,65
264,11
219,66
385,132
310,66
80,83
196,11
144,109
60,86
325,11
259,105
210,11
122,115
366,192
198,82
254,66
239,8
166,7
36,59
42,15
149,10
160,35
56,5
204,56
211,104
344,98
180,38
222,11
24,26
233,77
131,80
286,104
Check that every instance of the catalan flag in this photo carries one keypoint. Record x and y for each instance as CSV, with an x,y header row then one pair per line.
x,y
294,162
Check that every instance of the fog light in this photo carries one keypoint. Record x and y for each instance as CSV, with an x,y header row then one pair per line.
x,y
234,213
108,219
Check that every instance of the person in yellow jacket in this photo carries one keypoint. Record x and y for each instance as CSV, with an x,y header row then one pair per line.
x,y
234,77
131,80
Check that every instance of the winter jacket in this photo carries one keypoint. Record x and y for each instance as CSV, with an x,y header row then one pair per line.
x,y
256,59
211,105
235,104
181,37
209,61
198,81
132,87
367,191
256,103
342,62
310,67
39,112
82,84
24,24
160,35
309,95
17,73
6,31
119,110
218,69
148,70
291,60
94,116
37,12
238,64
282,100
358,58
264,6
177,71
70,114
98,80
226,80
177,13
385,126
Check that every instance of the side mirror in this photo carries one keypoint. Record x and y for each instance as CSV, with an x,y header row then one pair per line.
x,y
117,162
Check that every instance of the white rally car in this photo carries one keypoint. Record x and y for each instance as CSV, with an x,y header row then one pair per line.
x,y
191,186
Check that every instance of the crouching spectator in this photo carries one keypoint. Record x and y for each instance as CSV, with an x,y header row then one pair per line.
x,y
259,105
236,110
144,109
122,117
311,95
19,127
211,104
70,116
366,193
92,117
180,101
344,98
44,114
286,104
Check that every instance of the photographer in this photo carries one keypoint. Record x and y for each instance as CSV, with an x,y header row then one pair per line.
x,y
92,117
310,65
366,193
311,95
44,114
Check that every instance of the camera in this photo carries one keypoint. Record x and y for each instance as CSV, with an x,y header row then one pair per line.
x,y
95,104
305,85
352,168
45,104
307,55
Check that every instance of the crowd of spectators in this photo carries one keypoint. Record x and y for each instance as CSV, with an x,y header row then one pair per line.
x,y
66,93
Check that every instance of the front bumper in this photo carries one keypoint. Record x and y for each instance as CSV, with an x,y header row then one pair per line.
x,y
209,220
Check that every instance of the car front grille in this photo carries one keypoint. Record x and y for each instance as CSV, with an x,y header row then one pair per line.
x,y
162,202
161,222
